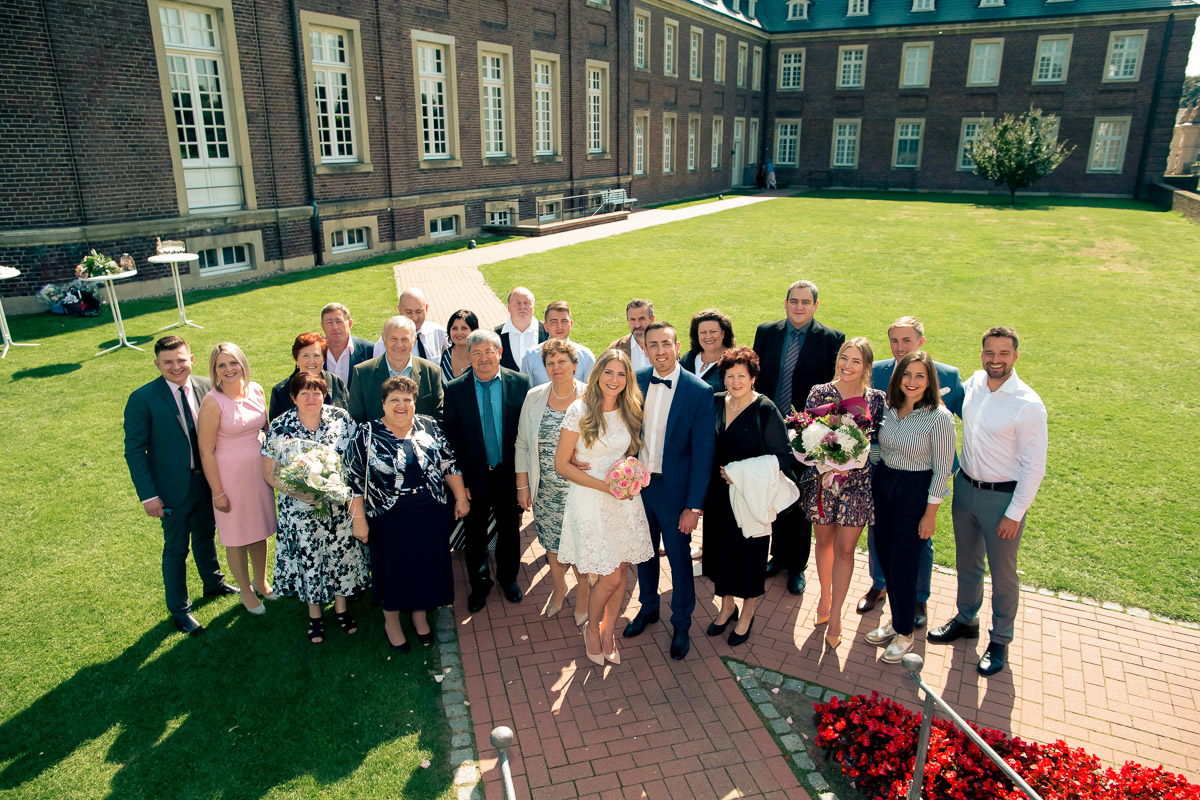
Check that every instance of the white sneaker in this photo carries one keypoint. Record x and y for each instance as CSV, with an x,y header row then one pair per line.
x,y
896,650
881,635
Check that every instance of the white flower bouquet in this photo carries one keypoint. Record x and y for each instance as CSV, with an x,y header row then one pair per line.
x,y
833,439
311,469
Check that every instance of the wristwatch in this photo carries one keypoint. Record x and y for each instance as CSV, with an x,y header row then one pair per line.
x,y
694,510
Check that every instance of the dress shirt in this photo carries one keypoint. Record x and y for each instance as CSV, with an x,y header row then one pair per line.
x,y
191,398
340,366
791,332
406,370
637,356
532,365
1005,437
654,423
492,387
434,339
520,341
922,440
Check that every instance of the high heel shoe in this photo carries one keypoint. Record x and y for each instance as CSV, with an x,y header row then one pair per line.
x,y
715,629
595,658
736,638
272,596
833,645
553,608
818,619
615,656
581,619
258,610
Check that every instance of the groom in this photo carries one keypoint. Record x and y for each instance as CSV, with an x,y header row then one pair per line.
x,y
679,436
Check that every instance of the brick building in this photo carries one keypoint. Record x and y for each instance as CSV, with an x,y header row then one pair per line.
x,y
281,133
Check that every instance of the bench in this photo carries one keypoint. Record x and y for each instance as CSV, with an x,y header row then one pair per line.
x,y
617,198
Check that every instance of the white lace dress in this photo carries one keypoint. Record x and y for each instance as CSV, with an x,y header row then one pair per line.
x,y
600,532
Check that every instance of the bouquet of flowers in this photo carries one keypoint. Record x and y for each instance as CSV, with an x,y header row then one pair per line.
x,y
75,298
96,264
52,295
833,439
627,478
306,467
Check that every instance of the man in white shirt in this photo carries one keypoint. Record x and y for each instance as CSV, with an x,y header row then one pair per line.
x,y
431,338
639,313
1003,463
343,351
521,332
558,324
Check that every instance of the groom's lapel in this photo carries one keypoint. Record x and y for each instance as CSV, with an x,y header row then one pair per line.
x,y
167,396
676,408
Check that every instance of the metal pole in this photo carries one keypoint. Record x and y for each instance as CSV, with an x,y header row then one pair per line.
x,y
918,779
502,739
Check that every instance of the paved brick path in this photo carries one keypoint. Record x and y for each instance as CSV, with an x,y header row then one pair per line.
x,y
1122,686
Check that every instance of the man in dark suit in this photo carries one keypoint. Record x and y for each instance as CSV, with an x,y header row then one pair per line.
x,y
679,437
795,354
163,454
483,409
521,333
399,334
343,351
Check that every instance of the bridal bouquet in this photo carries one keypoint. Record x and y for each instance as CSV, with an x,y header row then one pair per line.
x,y
311,468
627,478
834,439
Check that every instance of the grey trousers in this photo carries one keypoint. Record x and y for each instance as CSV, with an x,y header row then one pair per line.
x,y
192,519
976,513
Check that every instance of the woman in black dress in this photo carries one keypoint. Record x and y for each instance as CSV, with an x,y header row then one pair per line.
x,y
748,426
711,334
308,351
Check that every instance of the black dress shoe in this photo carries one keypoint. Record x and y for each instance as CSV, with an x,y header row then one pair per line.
x,y
426,638
736,638
513,593
639,623
220,589
953,631
870,600
476,600
680,644
399,648
993,659
774,567
921,617
796,583
716,630
188,624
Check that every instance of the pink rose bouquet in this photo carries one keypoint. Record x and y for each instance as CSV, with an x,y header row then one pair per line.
x,y
627,478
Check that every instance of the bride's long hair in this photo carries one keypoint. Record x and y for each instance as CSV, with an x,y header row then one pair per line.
x,y
629,404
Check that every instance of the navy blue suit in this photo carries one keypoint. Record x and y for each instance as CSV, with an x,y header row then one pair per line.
x,y
688,445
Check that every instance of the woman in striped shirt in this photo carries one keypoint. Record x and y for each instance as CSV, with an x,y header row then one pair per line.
x,y
916,443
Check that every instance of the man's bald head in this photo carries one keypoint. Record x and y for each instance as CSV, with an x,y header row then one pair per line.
x,y
413,305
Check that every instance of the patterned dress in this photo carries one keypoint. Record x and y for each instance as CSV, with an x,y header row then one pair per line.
x,y
853,506
315,558
551,497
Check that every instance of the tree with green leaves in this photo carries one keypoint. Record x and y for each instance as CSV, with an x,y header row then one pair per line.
x,y
1018,151
1191,91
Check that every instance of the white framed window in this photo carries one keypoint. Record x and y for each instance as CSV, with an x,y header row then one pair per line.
x,y
1053,59
641,40
743,53
350,239
752,142
984,69
495,99
441,227
334,119
844,153
549,210
906,149
696,55
718,141
915,61
437,104
1124,59
668,144
756,71
991,3
499,218
787,142
797,10
858,8
852,66
693,141
719,59
791,70
670,44
221,260
923,5
640,123
597,107
972,129
751,13
1109,137
546,108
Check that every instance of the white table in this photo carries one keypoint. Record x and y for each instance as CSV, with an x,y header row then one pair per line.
x,y
5,274
107,280
175,259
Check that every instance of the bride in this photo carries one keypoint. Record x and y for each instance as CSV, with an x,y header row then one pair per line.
x,y
602,535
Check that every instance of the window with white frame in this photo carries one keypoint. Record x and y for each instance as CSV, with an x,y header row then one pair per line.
x,y
220,260
906,153
743,53
641,40
787,142
852,69
670,40
718,141
791,69
915,61
972,129
923,5
752,142
1124,61
1053,57
719,59
441,227
752,14
668,143
494,75
639,143
693,142
857,8
990,3
350,239
545,106
436,104
499,218
331,83
1109,137
797,10
549,210
756,70
696,55
597,107
984,69
845,143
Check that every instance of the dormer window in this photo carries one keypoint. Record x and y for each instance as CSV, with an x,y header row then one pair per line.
x,y
751,13
923,5
857,8
991,3
797,9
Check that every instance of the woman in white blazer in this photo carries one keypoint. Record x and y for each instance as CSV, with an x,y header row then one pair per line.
x,y
539,487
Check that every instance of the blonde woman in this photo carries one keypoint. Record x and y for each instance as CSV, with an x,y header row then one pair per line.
x,y
602,535
229,429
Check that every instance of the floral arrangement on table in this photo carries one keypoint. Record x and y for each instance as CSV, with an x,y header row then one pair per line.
x,y
627,478
875,739
75,298
311,468
834,439
95,265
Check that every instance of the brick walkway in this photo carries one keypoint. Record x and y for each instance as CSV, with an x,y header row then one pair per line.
x,y
1119,685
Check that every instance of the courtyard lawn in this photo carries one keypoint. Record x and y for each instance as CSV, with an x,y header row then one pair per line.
x,y
1105,295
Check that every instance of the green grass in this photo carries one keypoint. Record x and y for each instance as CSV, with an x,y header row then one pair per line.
x,y
1104,294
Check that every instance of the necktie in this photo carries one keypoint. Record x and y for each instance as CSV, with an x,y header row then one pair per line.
x,y
190,422
665,381
491,440
783,395
421,347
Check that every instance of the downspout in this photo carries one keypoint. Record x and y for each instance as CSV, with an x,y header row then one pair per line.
x,y
570,105
387,141
307,145
628,98
1158,79
66,124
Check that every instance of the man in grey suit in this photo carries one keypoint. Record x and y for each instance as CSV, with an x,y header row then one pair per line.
x,y
163,454
399,335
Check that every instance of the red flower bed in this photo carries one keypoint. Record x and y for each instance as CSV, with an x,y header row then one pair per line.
x,y
874,740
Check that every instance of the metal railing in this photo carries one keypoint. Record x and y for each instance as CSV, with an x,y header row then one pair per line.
x,y
913,663
502,739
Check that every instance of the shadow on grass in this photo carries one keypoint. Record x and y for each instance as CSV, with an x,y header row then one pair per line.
x,y
238,712
46,371
989,201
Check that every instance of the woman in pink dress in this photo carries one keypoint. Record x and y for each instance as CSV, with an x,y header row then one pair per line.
x,y
230,429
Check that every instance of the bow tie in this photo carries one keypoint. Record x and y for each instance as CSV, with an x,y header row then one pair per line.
x,y
655,379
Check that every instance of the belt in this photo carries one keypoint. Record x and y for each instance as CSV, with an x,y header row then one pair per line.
x,y
998,486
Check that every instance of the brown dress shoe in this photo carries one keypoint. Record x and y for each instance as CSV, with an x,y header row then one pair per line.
x,y
870,599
